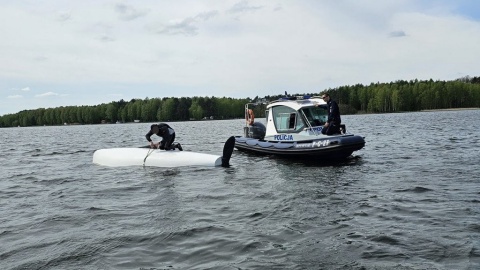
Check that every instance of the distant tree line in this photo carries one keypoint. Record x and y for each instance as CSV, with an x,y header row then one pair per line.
x,y
403,96
146,110
399,96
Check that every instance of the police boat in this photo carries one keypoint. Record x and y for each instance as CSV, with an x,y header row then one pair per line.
x,y
293,129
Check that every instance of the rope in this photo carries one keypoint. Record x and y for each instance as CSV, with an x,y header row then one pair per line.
x,y
148,154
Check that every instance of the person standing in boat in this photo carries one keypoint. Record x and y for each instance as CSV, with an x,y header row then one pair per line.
x,y
168,136
332,126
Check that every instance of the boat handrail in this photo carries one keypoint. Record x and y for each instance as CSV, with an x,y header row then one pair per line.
x,y
298,101
309,124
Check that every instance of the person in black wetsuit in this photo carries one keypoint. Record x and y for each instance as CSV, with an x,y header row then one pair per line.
x,y
332,126
168,136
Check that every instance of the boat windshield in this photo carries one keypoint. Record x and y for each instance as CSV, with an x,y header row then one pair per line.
x,y
287,119
317,116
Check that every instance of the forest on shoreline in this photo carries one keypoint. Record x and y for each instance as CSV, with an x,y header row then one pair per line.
x,y
398,96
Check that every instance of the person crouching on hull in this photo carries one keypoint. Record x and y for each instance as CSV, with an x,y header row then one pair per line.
x,y
168,136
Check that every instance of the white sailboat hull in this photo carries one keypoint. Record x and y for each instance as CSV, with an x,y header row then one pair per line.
x,y
116,157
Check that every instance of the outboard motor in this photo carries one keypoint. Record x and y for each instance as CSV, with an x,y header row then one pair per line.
x,y
256,131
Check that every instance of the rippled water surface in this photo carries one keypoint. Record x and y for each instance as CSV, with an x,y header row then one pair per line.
x,y
409,200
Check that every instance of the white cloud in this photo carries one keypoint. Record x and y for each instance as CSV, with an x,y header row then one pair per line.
x,y
397,34
207,15
47,94
15,96
64,16
242,7
187,26
127,12
25,89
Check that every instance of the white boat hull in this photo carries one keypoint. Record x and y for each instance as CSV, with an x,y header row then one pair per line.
x,y
116,157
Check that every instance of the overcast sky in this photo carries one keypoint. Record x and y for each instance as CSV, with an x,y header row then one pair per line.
x,y
59,53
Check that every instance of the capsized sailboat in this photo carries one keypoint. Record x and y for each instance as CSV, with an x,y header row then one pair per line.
x,y
117,157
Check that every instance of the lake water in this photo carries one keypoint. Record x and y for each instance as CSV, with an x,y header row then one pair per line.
x,y
409,200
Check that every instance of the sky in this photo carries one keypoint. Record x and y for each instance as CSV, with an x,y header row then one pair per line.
x,y
72,53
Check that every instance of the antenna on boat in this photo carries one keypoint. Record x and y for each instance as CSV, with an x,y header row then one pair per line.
x,y
286,97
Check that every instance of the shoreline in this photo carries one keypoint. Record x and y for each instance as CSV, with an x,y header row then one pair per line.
x,y
451,109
